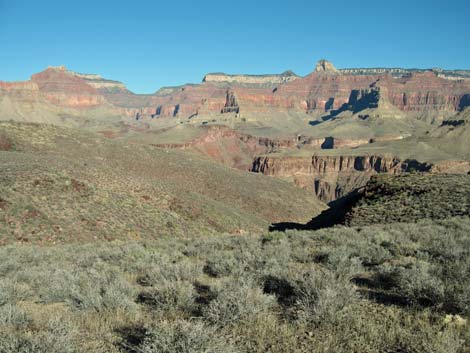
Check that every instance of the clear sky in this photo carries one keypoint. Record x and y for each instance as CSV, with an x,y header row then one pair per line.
x,y
148,44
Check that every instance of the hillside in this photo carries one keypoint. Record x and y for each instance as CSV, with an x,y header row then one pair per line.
x,y
405,198
453,136
60,185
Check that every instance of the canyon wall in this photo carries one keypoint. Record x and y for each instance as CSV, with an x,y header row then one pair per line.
x,y
331,177
324,90
251,80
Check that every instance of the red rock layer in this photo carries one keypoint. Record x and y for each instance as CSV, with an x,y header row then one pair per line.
x,y
418,92
318,91
331,177
230,147
64,89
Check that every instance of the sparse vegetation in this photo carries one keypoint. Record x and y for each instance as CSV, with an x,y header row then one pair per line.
x,y
61,185
401,198
181,284
380,288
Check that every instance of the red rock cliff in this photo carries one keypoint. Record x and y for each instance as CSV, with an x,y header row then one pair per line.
x,y
331,177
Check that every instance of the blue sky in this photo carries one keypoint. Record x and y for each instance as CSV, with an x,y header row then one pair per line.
x,y
149,44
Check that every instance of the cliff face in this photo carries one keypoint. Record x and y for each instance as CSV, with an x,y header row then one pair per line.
x,y
251,80
413,93
426,91
318,165
401,72
325,89
331,177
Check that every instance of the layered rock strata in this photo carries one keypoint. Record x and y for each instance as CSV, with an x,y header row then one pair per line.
x,y
331,177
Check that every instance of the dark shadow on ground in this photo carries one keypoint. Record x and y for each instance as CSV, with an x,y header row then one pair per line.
x,y
332,114
132,337
283,226
334,215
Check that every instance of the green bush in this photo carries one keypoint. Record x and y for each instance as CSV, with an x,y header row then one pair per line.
x,y
11,291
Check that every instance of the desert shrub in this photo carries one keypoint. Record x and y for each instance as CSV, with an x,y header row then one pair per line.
x,y
221,265
166,269
181,337
169,296
419,287
374,254
370,329
387,276
275,254
457,298
342,261
11,291
426,265
237,300
60,283
10,314
283,289
56,337
101,291
456,278
416,283
266,333
320,296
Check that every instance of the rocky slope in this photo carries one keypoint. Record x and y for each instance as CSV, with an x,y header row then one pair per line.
x,y
454,135
333,176
406,198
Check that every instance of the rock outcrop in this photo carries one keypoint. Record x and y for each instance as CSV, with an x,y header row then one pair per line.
x,y
331,177
401,72
405,198
251,80
325,66
231,104
230,147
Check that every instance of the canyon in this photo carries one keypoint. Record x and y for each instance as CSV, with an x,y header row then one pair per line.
x,y
326,88
279,125
331,177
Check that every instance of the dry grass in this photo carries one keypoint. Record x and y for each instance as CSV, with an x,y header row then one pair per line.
x,y
375,289
62,185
